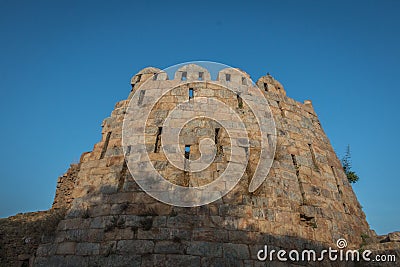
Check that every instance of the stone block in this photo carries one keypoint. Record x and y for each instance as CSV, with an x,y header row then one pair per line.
x,y
135,246
121,261
183,260
66,248
169,247
87,249
154,233
151,260
235,251
46,250
204,249
211,235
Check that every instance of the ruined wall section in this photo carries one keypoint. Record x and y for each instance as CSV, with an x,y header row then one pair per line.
x,y
21,234
65,187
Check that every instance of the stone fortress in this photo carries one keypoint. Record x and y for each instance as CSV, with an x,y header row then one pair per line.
x,y
102,217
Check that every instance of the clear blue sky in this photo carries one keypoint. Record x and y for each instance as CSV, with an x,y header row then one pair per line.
x,y
64,64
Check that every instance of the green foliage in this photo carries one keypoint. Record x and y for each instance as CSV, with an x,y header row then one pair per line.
x,y
346,162
352,177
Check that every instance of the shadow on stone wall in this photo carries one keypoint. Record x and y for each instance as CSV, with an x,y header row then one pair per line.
x,y
118,229
20,235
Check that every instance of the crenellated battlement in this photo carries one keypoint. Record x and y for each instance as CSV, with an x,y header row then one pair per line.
x,y
193,73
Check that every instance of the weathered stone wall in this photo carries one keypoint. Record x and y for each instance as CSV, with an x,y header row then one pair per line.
x,y
305,201
65,187
20,235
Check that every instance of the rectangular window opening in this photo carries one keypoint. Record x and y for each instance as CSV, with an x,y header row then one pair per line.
x,y
266,87
191,93
201,74
184,76
187,151
158,141
155,76
244,81
227,77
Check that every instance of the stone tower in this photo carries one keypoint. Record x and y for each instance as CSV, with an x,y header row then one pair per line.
x,y
304,202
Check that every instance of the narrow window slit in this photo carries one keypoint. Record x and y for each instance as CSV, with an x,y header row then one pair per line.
x,y
337,182
296,166
104,149
201,76
244,81
184,76
313,157
155,76
266,87
158,141
217,135
191,93
141,96
282,111
187,151
240,101
122,175
220,149
345,208
186,175
227,77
